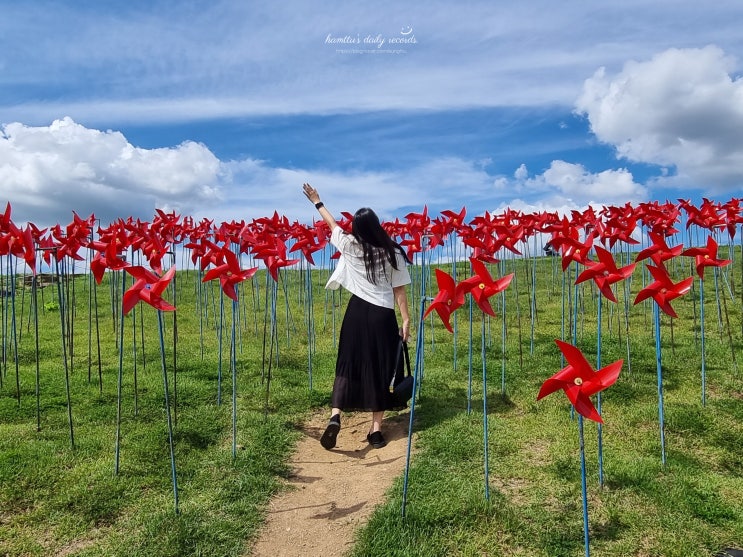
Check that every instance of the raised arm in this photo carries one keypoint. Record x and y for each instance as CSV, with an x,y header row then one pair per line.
x,y
314,197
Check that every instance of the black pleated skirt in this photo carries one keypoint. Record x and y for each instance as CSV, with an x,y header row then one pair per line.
x,y
367,349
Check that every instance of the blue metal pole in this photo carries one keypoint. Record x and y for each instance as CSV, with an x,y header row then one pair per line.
x,y
659,369
503,344
62,311
584,491
598,399
701,322
167,411
416,378
233,369
485,409
120,380
469,367
219,360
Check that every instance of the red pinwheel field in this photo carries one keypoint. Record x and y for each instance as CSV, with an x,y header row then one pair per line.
x,y
153,374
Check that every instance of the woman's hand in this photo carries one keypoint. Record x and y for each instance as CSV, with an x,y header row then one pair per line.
x,y
401,299
311,193
314,197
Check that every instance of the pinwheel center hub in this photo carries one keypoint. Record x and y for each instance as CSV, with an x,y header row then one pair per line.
x,y
578,381
481,286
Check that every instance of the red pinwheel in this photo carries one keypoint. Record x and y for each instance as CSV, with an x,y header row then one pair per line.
x,y
604,272
5,217
148,287
167,226
575,250
706,257
454,220
507,237
589,221
566,239
658,251
107,260
10,242
308,240
17,242
562,231
449,298
395,229
154,248
620,224
480,236
482,244
660,219
482,286
111,243
229,273
273,253
663,290
75,236
733,216
29,249
204,250
706,216
346,222
580,381
417,227
438,231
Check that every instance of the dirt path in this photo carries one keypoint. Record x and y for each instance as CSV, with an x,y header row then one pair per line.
x,y
334,492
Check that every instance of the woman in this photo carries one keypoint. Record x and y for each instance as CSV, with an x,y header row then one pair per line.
x,y
372,268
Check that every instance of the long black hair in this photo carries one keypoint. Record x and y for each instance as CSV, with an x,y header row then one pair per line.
x,y
375,242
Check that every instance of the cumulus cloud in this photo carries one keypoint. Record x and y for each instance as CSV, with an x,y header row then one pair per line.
x,y
565,186
256,189
47,172
50,171
681,109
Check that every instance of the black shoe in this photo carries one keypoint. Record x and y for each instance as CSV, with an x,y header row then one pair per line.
x,y
331,432
376,439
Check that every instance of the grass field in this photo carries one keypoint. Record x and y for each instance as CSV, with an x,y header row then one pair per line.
x,y
56,499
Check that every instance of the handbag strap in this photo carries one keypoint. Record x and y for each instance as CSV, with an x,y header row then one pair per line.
x,y
404,346
402,349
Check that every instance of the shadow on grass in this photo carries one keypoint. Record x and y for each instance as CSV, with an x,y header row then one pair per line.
x,y
440,401
609,530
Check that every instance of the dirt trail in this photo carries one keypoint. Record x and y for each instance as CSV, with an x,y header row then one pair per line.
x,y
334,492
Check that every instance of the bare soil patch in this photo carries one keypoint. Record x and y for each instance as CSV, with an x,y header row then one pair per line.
x,y
332,493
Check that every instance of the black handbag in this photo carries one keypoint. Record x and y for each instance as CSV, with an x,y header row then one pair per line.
x,y
402,384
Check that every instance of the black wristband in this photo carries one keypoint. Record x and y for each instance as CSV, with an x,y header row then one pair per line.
x,y
319,204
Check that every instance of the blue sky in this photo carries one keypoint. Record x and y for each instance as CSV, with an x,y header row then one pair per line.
x,y
222,109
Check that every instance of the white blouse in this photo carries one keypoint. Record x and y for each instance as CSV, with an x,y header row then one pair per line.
x,y
351,272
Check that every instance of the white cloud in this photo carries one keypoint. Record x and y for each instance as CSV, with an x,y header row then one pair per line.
x,y
256,189
195,61
681,109
608,187
47,172
565,186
